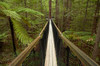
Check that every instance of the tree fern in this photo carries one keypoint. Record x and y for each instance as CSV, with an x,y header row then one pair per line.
x,y
26,21
3,35
21,33
28,10
35,22
12,14
4,5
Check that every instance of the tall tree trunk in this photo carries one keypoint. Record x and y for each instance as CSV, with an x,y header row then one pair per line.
x,y
96,17
25,4
96,50
69,14
41,8
12,34
50,5
85,17
57,14
65,5
67,17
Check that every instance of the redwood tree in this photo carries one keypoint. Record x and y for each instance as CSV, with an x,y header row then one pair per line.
x,y
96,50
50,9
96,17
57,13
67,16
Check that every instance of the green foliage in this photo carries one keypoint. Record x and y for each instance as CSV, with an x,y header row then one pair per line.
x,y
12,14
4,5
33,62
82,33
99,44
78,15
28,10
84,36
3,35
34,22
68,32
21,32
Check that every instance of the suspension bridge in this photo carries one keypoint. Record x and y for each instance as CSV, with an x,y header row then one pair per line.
x,y
50,39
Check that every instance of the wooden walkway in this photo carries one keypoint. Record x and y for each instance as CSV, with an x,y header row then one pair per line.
x,y
50,53
50,59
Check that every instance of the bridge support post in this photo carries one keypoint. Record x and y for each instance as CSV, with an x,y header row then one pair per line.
x,y
68,52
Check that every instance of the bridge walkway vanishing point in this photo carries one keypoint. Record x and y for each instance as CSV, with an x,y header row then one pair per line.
x,y
50,38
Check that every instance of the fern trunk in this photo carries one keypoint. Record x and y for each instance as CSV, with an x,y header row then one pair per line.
x,y
12,34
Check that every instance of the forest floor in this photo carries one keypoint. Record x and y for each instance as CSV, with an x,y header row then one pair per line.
x,y
7,53
83,40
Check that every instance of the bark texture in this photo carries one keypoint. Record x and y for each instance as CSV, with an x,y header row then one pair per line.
x,y
96,17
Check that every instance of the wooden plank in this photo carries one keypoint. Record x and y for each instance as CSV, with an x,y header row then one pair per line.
x,y
50,59
79,53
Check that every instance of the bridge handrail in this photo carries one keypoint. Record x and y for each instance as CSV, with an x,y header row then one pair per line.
x,y
21,57
85,59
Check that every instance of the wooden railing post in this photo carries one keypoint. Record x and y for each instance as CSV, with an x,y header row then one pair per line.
x,y
68,52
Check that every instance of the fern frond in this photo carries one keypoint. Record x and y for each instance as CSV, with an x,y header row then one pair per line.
x,y
4,5
34,22
28,10
26,21
21,33
12,14
3,35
